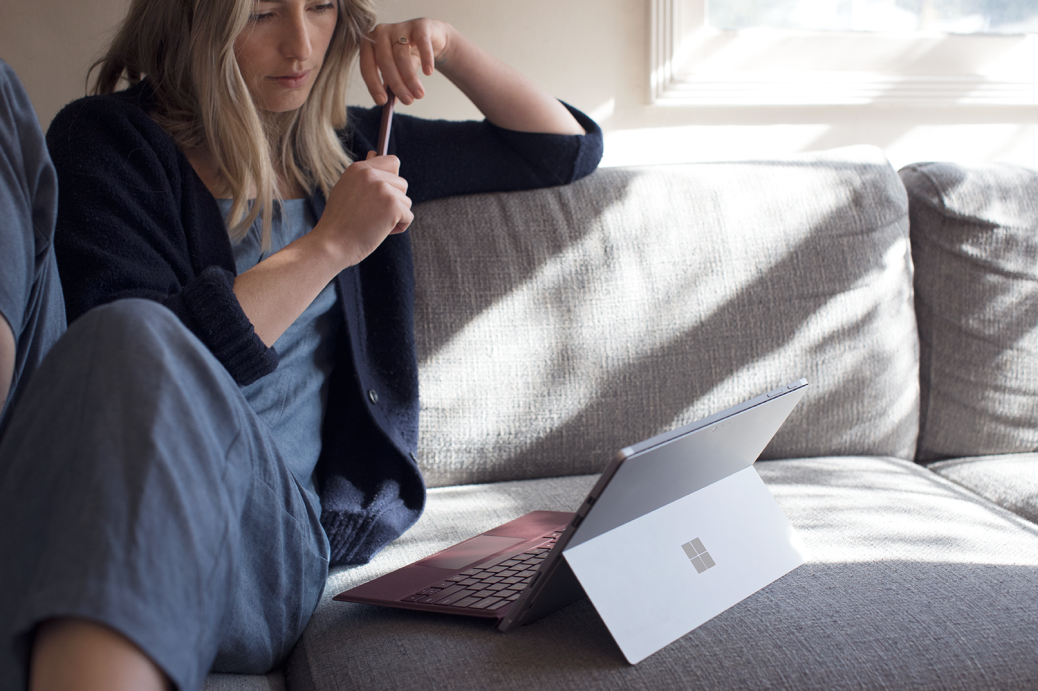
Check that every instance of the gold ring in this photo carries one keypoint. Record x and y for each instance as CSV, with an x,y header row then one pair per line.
x,y
403,39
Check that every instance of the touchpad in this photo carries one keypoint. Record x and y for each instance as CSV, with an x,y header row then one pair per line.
x,y
470,551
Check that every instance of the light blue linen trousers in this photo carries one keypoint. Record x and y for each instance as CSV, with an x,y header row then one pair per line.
x,y
139,489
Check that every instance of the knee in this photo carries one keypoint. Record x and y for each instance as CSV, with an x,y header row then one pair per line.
x,y
126,317
125,365
136,340
134,326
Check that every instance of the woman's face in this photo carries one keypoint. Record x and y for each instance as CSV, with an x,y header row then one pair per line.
x,y
281,51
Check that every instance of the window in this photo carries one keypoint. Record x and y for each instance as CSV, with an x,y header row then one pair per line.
x,y
950,16
845,52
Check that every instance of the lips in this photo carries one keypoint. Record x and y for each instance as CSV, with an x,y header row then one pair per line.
x,y
292,81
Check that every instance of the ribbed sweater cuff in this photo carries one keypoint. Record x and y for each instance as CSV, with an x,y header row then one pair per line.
x,y
210,309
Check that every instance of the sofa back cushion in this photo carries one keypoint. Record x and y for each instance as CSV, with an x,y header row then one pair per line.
x,y
975,248
557,326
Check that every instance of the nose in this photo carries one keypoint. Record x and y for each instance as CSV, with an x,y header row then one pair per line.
x,y
295,41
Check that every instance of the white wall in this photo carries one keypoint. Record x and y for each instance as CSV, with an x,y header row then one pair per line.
x,y
51,44
591,53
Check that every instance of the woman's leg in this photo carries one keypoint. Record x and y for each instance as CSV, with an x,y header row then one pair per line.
x,y
32,310
140,492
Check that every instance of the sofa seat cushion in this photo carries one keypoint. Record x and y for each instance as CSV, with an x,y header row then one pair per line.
x,y
556,326
1009,480
913,582
975,246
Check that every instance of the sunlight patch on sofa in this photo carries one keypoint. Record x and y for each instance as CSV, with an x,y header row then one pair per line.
x,y
653,307
605,302
858,509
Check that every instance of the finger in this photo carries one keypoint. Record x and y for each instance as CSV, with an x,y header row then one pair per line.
x,y
405,60
395,181
405,221
408,82
428,56
388,163
385,51
382,70
388,177
369,71
385,168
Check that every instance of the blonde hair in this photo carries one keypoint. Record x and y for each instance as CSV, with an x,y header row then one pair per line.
x,y
185,49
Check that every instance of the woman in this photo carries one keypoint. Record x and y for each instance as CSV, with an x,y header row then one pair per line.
x,y
254,417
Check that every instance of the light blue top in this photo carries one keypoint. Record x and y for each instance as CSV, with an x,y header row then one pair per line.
x,y
292,399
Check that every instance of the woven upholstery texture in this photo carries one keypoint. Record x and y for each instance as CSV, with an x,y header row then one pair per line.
x,y
275,681
975,248
912,583
1009,480
557,326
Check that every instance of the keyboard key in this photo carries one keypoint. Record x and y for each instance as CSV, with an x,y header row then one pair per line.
x,y
457,597
440,594
466,602
484,603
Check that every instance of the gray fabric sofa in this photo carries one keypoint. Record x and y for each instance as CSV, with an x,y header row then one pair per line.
x,y
555,327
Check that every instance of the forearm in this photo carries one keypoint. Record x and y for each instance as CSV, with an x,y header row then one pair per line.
x,y
504,95
276,291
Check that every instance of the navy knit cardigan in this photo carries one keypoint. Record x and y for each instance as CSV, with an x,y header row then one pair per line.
x,y
135,221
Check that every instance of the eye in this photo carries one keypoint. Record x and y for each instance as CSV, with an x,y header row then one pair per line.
x,y
261,11
325,7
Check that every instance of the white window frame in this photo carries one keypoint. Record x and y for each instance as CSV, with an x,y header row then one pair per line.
x,y
683,74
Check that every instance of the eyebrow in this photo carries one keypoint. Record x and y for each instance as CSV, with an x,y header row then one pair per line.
x,y
271,2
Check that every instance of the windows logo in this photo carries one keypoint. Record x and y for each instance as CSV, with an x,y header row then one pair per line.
x,y
698,555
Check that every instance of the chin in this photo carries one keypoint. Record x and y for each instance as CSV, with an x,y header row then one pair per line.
x,y
281,105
